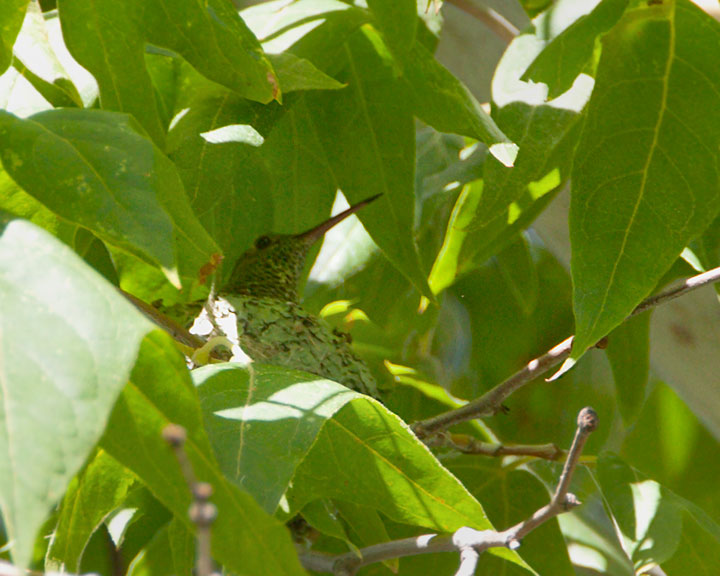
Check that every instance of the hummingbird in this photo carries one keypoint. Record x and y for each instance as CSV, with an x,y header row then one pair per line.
x,y
273,327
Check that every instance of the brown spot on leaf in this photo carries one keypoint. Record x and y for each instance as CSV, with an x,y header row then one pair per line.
x,y
682,334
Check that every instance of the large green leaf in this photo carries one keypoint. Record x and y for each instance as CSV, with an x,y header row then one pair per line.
x,y
70,340
299,74
109,39
372,151
646,178
270,425
226,182
91,497
104,37
11,18
107,177
262,422
244,538
366,455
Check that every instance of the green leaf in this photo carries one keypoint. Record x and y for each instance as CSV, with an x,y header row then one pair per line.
x,y
367,456
489,214
299,74
160,392
110,179
11,19
104,38
99,490
571,52
628,351
227,182
156,558
397,21
263,421
441,100
72,340
650,519
520,274
646,178
212,38
372,152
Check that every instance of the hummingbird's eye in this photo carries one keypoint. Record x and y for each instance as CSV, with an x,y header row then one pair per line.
x,y
262,242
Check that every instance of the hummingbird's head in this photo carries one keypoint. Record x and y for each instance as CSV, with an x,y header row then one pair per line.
x,y
273,265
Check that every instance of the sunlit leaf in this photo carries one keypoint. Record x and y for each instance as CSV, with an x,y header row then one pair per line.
x,y
646,178
73,340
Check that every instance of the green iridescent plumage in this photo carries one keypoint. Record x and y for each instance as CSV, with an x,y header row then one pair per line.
x,y
273,327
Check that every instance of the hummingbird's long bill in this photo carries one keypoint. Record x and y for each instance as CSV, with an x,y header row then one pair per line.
x,y
316,233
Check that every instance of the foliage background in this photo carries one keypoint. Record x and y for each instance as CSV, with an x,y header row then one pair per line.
x,y
146,201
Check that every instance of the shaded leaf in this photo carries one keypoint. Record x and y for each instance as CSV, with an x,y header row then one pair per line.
x,y
372,152
104,38
127,192
299,74
646,178
226,183
490,482
397,21
99,490
628,351
444,102
73,341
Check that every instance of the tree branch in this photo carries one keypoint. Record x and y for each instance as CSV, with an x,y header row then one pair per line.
x,y
491,402
468,542
470,445
500,25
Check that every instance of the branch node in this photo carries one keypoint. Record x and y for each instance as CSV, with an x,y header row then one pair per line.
x,y
587,420
174,435
513,543
570,501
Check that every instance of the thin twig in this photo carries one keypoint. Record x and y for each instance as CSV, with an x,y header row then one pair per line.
x,y
500,25
470,445
491,402
470,543
202,512
178,332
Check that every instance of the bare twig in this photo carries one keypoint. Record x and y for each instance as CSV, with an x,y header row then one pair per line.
x,y
490,403
470,543
179,333
202,512
471,445
500,25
